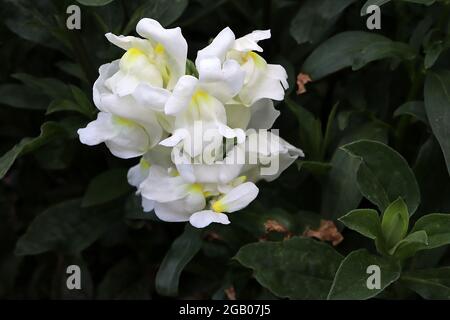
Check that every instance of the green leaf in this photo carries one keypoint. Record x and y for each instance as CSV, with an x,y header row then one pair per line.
x,y
353,276
49,131
67,228
365,221
298,268
79,103
164,11
371,3
341,193
31,22
106,187
134,210
124,281
314,167
353,49
437,227
310,128
429,283
414,242
22,97
315,18
384,175
48,86
381,2
395,222
62,105
183,249
432,53
191,69
437,105
415,109
96,3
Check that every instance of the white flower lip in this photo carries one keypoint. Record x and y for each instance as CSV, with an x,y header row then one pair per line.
x,y
202,140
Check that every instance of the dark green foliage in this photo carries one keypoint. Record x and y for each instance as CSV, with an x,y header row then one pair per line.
x,y
374,124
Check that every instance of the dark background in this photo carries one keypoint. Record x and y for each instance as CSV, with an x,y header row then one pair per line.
x,y
119,248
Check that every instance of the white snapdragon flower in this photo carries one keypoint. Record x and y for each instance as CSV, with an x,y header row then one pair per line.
x,y
134,90
262,80
234,200
124,138
149,107
201,101
175,199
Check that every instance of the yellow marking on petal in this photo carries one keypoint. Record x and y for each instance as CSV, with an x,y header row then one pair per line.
x,y
199,97
218,206
241,179
159,49
207,194
144,164
132,54
196,188
173,172
257,59
123,121
200,94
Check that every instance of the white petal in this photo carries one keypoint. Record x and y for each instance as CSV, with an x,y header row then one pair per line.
x,y
98,131
287,155
151,97
276,71
223,82
175,138
209,173
173,42
137,174
147,204
204,218
239,197
127,107
229,133
274,153
250,41
161,187
218,47
159,156
238,115
180,210
263,114
131,141
99,90
125,139
128,42
181,95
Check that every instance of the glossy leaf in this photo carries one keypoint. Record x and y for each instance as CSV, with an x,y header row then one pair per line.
x,y
395,222
352,49
437,228
429,283
183,249
352,278
384,175
105,187
65,227
49,131
365,221
299,268
437,105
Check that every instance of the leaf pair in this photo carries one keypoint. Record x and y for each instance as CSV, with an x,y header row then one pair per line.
x,y
391,233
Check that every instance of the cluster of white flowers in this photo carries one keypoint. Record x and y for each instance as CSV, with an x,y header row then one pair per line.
x,y
150,108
